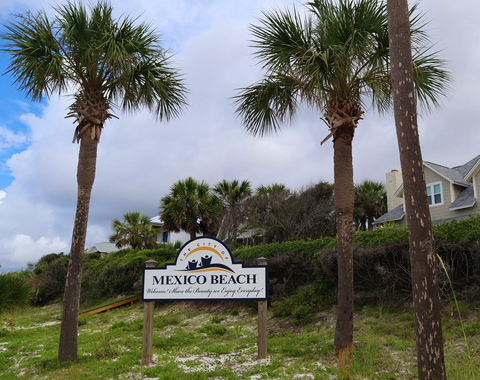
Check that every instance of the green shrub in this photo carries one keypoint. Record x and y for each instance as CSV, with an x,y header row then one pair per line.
x,y
49,274
15,292
380,236
166,320
216,320
136,325
212,330
119,271
303,305
459,230
289,247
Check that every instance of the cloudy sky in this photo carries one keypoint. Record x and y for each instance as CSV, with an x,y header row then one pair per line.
x,y
139,158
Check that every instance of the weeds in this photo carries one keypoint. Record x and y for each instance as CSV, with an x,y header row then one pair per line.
x,y
106,346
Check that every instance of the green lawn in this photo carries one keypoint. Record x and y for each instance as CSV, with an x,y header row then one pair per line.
x,y
218,341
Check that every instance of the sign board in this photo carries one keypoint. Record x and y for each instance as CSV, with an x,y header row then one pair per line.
x,y
204,270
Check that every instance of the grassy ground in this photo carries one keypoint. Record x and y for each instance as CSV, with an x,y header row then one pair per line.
x,y
218,341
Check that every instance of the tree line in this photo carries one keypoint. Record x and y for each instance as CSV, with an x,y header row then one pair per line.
x,y
238,215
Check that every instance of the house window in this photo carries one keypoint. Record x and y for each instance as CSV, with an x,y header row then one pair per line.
x,y
165,237
434,194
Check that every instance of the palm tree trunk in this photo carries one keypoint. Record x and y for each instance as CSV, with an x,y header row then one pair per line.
x,y
428,330
344,197
67,350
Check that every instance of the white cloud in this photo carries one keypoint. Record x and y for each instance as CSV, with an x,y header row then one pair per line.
x,y
22,248
10,139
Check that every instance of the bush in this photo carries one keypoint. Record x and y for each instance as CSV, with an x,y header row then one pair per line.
x,y
289,247
305,303
459,230
380,236
49,274
14,292
212,330
120,271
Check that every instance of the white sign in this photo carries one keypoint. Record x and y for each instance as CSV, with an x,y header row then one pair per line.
x,y
205,270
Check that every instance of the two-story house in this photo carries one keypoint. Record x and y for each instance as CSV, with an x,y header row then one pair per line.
x,y
452,192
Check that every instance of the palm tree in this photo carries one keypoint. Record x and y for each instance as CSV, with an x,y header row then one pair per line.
x,y
370,202
335,60
190,206
426,300
232,194
106,63
135,231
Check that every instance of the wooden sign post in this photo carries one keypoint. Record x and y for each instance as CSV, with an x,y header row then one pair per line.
x,y
262,321
148,306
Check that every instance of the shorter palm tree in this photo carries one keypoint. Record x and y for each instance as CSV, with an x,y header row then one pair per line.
x,y
135,231
15,292
370,203
190,206
233,195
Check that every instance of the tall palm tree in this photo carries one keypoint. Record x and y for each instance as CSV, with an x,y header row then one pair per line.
x,y
134,231
232,194
370,201
190,206
105,63
335,60
426,300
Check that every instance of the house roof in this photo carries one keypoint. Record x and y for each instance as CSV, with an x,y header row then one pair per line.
x,y
156,221
102,247
458,175
452,175
392,216
467,169
465,199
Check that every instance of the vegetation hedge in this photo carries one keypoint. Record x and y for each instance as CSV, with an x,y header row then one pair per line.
x,y
380,236
381,265
119,272
467,229
289,247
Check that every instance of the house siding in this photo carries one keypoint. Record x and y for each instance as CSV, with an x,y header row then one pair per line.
x,y
441,212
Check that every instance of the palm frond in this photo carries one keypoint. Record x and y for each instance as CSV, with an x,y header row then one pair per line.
x,y
115,59
37,60
265,105
432,80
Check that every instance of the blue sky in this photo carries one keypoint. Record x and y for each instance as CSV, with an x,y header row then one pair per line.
x,y
139,158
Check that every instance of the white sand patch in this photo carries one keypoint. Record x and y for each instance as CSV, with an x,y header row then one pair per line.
x,y
36,326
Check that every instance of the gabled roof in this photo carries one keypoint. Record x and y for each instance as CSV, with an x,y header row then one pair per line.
x,y
468,169
450,174
392,216
465,199
458,175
